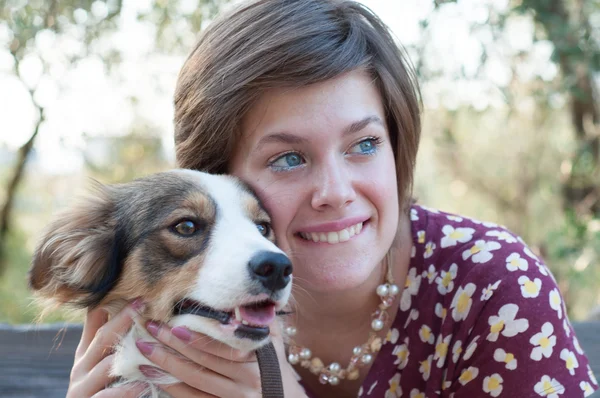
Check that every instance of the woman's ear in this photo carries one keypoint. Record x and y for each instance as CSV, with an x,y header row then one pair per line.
x,y
77,260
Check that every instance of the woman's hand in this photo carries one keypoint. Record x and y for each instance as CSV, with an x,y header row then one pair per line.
x,y
91,369
209,368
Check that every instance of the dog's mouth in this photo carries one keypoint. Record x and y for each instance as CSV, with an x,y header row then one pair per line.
x,y
250,320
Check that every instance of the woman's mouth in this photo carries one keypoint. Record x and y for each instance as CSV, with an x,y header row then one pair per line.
x,y
333,237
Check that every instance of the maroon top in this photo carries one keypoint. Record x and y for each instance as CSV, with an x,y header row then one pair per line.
x,y
480,315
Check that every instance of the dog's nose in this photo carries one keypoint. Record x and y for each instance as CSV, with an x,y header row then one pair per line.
x,y
273,270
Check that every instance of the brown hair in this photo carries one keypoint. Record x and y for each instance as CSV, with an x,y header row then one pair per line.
x,y
285,43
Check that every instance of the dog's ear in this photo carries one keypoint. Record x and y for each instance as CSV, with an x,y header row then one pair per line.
x,y
77,260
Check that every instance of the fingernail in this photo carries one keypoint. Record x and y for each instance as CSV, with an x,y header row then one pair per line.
x,y
153,328
144,347
138,304
181,333
151,371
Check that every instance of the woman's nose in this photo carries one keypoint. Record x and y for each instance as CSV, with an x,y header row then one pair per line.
x,y
333,186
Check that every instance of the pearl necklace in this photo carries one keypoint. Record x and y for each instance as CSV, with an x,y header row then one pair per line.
x,y
361,355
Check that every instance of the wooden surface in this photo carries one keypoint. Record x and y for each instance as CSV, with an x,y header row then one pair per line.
x,y
35,361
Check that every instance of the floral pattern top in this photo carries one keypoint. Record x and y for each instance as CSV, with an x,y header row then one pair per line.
x,y
480,315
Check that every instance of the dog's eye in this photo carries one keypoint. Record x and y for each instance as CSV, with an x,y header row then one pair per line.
x,y
186,228
264,228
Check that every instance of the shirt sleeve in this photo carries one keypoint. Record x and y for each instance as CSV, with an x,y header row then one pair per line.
x,y
518,341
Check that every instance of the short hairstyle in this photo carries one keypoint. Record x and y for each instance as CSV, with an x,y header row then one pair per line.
x,y
265,44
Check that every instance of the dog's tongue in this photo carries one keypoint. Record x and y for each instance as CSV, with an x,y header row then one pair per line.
x,y
258,316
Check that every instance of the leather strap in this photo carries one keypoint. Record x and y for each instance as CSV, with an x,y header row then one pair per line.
x,y
270,374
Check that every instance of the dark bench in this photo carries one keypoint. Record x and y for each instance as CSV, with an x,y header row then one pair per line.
x,y
35,360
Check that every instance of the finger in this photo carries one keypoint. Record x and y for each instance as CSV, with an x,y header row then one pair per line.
x,y
99,377
191,373
181,390
109,335
94,319
181,339
133,390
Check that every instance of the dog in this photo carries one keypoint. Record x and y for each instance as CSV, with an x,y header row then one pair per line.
x,y
197,248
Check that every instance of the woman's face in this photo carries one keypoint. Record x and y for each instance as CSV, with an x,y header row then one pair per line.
x,y
320,159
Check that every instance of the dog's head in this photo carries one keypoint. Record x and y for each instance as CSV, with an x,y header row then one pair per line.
x,y
198,248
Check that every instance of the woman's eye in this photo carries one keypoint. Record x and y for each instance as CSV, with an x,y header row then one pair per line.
x,y
366,147
185,228
287,161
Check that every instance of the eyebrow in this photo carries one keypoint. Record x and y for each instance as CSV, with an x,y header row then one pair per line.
x,y
284,137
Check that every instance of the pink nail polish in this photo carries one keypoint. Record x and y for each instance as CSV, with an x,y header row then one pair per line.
x,y
138,304
144,347
151,372
181,333
153,328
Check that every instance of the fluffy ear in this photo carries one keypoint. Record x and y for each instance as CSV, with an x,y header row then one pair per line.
x,y
78,259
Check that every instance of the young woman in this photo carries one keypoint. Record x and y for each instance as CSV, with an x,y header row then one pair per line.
x,y
312,103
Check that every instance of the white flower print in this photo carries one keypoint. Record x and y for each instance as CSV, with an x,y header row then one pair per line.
x,y
441,349
493,384
566,327
413,252
394,391
421,236
542,268
556,302
480,252
576,345
456,351
414,216
529,288
454,235
586,388
454,218
415,393
487,292
429,248
527,251
515,262
490,224
468,375
548,387
591,375
401,352
543,341
412,316
470,349
411,287
445,281
506,323
501,235
372,387
461,302
509,359
431,210
425,367
440,311
570,360
392,335
430,274
426,335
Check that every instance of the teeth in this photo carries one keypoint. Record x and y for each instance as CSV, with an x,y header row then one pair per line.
x,y
238,315
245,323
333,237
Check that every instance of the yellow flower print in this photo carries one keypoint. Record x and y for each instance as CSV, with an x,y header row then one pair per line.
x,y
548,387
421,236
493,384
454,235
516,262
543,341
411,288
426,335
394,391
461,302
440,311
456,351
441,349
401,352
530,288
505,323
430,274
425,367
445,282
468,375
586,388
487,292
480,252
570,360
429,248
509,359
501,235
556,302
392,335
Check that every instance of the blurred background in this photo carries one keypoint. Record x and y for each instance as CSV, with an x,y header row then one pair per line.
x,y
511,125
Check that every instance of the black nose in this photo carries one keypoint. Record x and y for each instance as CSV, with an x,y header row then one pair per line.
x,y
271,269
